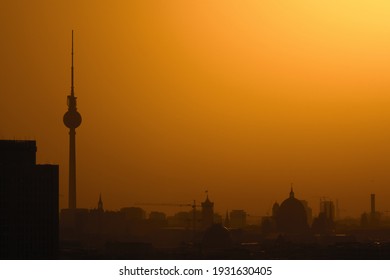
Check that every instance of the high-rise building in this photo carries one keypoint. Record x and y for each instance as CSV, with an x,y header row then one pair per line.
x,y
28,203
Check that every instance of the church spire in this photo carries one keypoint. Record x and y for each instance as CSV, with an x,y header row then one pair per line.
x,y
207,212
100,203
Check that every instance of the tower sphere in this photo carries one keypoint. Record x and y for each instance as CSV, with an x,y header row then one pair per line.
x,y
72,119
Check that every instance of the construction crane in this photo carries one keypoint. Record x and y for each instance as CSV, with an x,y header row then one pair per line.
x,y
193,206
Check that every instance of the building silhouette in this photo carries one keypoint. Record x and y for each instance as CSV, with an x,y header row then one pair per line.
x,y
216,240
275,209
374,215
158,217
237,219
327,207
28,203
291,217
100,204
308,210
207,213
373,218
133,213
227,220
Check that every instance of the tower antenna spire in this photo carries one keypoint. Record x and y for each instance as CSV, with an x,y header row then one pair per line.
x,y
72,72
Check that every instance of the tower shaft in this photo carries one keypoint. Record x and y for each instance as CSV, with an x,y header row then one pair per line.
x,y
72,168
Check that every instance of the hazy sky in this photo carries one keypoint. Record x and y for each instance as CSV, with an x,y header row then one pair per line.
x,y
237,97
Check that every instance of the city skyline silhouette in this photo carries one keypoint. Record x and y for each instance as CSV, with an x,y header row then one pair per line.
x,y
239,99
32,228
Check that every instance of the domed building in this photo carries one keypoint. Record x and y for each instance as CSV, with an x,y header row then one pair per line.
x,y
291,216
275,209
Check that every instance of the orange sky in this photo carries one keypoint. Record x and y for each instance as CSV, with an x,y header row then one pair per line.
x,y
237,97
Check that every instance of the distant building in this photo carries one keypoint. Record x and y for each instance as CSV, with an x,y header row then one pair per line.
x,y
238,219
218,218
374,215
181,219
371,219
157,216
275,209
100,204
158,219
291,217
207,213
73,220
227,220
373,204
267,225
28,203
327,207
324,223
216,239
308,210
364,220
133,213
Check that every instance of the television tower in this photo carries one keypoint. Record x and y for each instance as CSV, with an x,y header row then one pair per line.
x,y
72,120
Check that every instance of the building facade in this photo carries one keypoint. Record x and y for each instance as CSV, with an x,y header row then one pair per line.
x,y
28,203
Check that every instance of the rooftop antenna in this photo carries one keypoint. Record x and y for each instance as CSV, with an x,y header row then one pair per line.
x,y
72,70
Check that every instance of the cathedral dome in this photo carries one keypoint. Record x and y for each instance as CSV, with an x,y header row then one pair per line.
x,y
291,216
